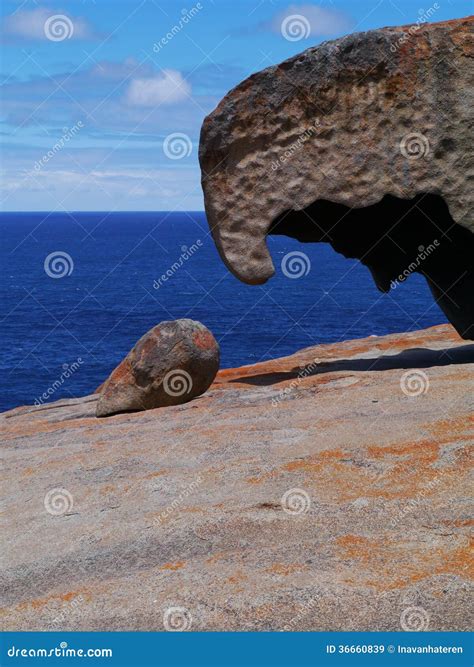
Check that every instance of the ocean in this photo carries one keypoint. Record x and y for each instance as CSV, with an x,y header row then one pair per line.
x,y
79,289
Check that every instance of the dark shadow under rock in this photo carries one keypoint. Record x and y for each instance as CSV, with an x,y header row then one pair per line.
x,y
395,238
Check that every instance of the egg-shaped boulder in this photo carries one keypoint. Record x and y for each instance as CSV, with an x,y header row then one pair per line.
x,y
171,364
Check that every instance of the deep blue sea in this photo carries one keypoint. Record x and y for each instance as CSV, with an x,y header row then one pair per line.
x,y
110,295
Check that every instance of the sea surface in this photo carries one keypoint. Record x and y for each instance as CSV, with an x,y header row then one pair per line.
x,y
68,319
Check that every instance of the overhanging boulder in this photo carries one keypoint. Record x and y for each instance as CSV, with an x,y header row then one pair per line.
x,y
364,142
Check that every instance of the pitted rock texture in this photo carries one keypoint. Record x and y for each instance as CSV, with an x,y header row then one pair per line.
x,y
182,506
348,123
171,364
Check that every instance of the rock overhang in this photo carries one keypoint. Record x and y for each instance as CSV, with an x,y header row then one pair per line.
x,y
387,112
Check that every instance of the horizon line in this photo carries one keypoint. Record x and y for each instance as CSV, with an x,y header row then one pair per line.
x,y
105,211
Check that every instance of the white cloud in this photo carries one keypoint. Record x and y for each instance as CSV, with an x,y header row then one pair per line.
x,y
102,189
33,24
165,88
321,20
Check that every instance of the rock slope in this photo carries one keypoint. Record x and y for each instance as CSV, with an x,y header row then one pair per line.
x,y
328,490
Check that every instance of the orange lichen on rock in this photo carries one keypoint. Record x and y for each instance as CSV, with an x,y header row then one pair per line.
x,y
82,595
173,566
378,556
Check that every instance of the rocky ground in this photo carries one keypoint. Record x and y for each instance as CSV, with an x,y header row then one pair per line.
x,y
328,490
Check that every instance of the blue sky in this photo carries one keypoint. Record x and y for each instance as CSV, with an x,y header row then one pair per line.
x,y
102,100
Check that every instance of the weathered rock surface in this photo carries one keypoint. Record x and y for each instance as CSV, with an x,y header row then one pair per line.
x,y
365,143
171,364
108,523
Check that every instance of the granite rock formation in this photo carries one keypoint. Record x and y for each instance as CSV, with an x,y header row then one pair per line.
x,y
171,364
328,490
365,143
